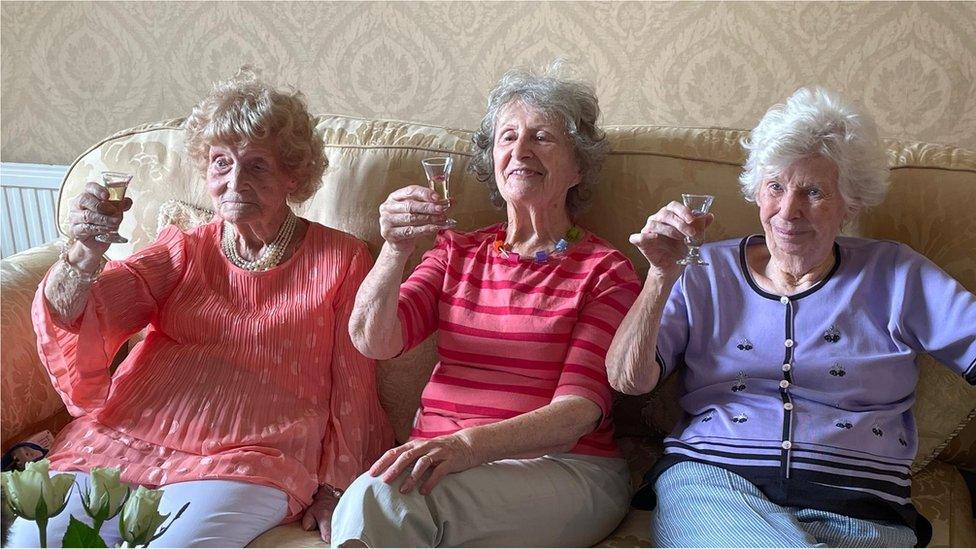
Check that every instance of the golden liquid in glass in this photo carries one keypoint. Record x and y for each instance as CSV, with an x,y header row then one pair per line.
x,y
116,190
439,184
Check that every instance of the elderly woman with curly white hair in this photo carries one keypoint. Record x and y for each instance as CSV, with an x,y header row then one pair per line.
x,y
797,347
513,443
233,400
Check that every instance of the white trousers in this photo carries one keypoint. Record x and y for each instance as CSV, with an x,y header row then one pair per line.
x,y
222,513
563,500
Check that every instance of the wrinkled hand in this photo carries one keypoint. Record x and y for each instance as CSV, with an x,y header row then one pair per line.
x,y
319,513
92,214
662,240
434,458
411,213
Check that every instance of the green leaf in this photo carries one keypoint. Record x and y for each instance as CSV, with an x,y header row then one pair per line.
x,y
80,534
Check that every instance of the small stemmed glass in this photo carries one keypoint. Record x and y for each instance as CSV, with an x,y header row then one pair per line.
x,y
116,184
699,205
438,170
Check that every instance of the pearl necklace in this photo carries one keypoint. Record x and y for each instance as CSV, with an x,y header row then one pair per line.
x,y
542,256
272,253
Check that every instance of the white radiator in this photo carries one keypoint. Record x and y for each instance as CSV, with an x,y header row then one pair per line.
x,y
29,205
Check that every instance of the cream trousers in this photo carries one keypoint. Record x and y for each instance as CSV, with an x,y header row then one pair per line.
x,y
553,501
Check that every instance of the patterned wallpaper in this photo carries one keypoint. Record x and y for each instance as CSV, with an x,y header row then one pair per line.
x,y
74,72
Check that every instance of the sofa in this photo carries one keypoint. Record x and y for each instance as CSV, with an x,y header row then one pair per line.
x,y
927,208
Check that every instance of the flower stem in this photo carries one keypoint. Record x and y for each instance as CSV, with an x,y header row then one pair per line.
x,y
97,525
42,532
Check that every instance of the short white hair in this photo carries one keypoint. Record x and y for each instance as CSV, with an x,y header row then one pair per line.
x,y
816,121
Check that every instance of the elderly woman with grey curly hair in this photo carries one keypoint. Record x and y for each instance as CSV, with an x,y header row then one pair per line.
x,y
797,348
232,401
513,443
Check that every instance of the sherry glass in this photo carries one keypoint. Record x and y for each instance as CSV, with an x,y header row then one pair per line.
x,y
115,183
699,205
438,171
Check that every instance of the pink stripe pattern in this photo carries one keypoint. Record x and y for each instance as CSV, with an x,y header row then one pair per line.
x,y
514,334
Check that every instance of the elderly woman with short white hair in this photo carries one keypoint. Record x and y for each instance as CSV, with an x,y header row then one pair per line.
x,y
513,443
797,348
233,400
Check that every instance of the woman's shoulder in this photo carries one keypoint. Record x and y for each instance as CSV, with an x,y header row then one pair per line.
x,y
872,254
334,239
468,239
596,254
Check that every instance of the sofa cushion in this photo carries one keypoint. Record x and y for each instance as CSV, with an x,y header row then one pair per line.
x,y
185,216
29,399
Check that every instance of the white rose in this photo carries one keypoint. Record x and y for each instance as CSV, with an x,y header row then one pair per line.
x,y
33,494
107,494
140,517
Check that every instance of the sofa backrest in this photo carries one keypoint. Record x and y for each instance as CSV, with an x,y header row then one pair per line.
x,y
927,208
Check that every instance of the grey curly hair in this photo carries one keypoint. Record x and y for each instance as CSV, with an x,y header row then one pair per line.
x,y
246,109
572,102
816,121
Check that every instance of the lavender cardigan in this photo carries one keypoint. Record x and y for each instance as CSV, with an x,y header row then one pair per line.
x,y
810,396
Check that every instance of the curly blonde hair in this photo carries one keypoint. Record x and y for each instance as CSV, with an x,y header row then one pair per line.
x,y
247,110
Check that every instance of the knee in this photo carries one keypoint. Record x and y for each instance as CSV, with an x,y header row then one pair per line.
x,y
376,513
366,495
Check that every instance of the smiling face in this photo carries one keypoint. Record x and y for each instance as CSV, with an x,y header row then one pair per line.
x,y
246,183
535,162
802,210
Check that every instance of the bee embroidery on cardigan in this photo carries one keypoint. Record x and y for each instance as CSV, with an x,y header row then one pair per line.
x,y
843,424
832,334
837,370
877,431
739,418
740,383
744,345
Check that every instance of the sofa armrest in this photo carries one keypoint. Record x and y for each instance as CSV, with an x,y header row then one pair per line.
x,y
28,398
961,450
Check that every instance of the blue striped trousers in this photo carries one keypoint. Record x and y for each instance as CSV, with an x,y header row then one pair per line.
x,y
700,505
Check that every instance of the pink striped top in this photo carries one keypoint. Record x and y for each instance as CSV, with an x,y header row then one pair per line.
x,y
243,375
512,333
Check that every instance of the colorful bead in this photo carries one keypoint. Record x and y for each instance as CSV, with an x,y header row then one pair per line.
x,y
562,245
541,256
574,233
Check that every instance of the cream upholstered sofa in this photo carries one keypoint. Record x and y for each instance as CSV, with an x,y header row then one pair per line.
x,y
928,208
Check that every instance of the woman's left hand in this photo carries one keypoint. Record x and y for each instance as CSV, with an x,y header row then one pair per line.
x,y
436,456
319,513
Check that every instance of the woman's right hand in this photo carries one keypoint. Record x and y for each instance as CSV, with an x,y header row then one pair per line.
x,y
662,240
411,213
93,214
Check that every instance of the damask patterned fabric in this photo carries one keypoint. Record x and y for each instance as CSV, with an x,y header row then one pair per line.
x,y
75,71
927,208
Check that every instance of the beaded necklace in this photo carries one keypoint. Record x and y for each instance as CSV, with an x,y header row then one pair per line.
x,y
542,256
271,254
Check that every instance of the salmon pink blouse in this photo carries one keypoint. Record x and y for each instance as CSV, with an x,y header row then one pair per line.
x,y
247,376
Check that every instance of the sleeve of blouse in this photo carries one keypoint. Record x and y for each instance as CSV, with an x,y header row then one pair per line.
x,y
358,430
672,336
937,313
123,300
585,369
420,293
